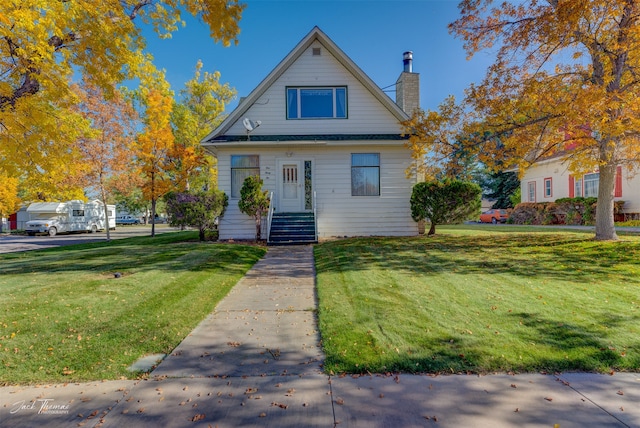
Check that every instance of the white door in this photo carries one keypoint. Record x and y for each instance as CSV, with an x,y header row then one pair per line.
x,y
291,179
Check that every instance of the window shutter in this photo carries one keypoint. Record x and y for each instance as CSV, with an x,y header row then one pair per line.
x,y
617,193
572,187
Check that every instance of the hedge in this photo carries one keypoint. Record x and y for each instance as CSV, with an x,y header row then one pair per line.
x,y
571,211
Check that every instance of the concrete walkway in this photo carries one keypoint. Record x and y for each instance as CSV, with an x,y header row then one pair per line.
x,y
256,362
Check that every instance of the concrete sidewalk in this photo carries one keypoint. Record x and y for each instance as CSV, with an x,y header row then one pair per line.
x,y
256,361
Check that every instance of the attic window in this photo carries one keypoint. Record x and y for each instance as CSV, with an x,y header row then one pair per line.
x,y
317,103
316,51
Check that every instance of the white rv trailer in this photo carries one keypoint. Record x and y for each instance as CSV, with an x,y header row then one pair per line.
x,y
65,217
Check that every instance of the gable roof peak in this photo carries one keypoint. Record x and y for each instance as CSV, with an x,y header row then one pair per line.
x,y
315,34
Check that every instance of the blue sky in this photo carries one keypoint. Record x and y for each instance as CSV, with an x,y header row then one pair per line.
x,y
373,33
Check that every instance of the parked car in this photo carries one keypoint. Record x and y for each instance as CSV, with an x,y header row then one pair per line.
x,y
494,216
127,219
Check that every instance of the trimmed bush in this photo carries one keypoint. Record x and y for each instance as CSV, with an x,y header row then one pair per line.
x,y
571,211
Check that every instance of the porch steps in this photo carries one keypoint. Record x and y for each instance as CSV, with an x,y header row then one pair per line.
x,y
292,229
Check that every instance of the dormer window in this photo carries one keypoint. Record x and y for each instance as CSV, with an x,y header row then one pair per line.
x,y
317,102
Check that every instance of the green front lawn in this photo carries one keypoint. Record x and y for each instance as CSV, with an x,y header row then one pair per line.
x,y
65,317
480,300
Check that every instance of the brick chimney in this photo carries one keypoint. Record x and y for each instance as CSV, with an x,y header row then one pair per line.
x,y
408,86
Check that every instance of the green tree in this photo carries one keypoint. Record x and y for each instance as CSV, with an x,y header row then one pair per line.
x,y
499,187
254,201
196,209
445,202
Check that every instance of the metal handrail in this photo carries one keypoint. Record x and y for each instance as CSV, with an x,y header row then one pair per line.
x,y
269,217
315,215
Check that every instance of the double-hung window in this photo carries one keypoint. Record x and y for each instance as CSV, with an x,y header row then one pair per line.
x,y
365,174
317,102
591,185
531,191
242,166
548,188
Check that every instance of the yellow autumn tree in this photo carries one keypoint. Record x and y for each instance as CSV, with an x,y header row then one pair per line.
x,y
37,146
564,82
9,201
155,144
434,140
200,109
45,43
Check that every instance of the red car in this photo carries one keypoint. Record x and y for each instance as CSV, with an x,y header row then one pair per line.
x,y
494,216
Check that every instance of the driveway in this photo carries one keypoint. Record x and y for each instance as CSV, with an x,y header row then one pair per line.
x,y
15,243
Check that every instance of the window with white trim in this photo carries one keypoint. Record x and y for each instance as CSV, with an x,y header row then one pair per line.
x,y
548,189
317,102
365,174
577,187
243,166
591,185
531,191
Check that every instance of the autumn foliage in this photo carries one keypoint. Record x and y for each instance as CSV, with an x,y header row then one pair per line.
x,y
564,82
46,45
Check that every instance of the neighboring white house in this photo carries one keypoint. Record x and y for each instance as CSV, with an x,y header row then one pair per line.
x,y
324,138
549,179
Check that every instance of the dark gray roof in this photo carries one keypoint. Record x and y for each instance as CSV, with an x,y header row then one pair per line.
x,y
319,137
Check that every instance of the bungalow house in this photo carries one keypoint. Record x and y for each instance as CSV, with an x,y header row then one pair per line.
x,y
549,179
327,143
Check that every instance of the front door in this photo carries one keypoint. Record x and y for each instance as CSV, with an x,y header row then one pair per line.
x,y
291,191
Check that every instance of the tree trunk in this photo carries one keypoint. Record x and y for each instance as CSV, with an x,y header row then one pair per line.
x,y
153,216
106,211
106,217
432,229
258,226
605,227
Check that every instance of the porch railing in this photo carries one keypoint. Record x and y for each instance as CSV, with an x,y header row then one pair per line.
x,y
269,217
315,215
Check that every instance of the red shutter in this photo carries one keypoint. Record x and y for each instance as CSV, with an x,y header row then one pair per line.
x,y
618,189
572,187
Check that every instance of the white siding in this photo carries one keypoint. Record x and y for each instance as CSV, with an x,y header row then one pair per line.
x,y
560,182
339,213
365,114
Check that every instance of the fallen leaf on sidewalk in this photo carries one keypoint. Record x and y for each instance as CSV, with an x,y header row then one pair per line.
x,y
198,417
